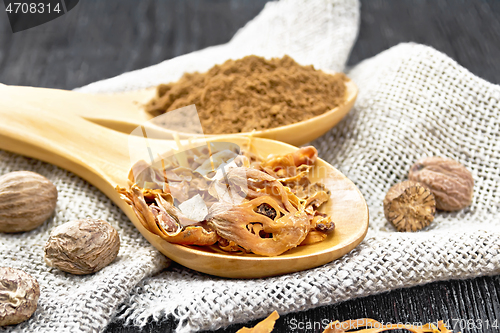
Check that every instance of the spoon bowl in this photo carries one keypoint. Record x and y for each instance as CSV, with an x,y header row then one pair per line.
x,y
36,124
346,206
127,119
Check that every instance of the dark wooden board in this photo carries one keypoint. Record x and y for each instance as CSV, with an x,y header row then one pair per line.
x,y
468,305
101,39
467,31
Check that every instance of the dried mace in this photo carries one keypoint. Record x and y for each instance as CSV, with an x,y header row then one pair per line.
x,y
409,206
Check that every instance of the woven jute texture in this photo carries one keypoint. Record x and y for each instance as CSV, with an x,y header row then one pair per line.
x,y
413,102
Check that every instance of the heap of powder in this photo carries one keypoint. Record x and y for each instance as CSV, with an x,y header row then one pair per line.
x,y
252,93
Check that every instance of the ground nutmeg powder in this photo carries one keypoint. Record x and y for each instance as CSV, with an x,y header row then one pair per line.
x,y
252,93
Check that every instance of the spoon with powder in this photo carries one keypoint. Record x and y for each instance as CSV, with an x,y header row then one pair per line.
x,y
124,112
272,98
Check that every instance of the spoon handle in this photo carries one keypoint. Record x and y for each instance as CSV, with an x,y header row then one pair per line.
x,y
41,125
46,124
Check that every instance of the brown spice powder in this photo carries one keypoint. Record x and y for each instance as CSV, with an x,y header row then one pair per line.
x,y
252,93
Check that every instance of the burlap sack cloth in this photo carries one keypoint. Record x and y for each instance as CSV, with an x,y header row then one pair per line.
x,y
413,102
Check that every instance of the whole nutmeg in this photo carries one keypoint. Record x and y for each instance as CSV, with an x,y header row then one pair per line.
x,y
19,293
450,182
27,199
82,246
409,206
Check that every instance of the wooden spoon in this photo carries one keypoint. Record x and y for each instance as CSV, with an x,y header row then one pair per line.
x,y
124,112
35,124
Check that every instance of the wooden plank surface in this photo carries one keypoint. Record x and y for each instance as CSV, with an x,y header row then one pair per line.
x,y
469,306
466,30
100,39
